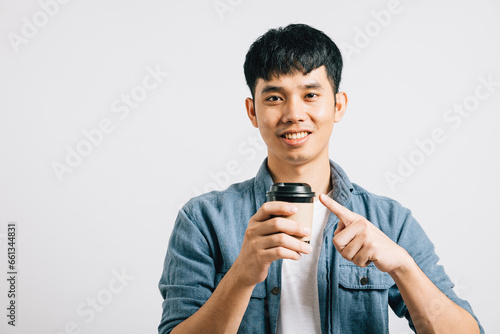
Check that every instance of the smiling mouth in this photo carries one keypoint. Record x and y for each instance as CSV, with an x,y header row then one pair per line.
x,y
294,136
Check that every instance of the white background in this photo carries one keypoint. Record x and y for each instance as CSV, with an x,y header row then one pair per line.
x,y
115,210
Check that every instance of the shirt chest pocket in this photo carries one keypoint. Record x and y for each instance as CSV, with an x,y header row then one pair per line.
x,y
368,278
364,298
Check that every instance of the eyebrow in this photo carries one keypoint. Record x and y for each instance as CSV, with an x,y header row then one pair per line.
x,y
269,88
312,85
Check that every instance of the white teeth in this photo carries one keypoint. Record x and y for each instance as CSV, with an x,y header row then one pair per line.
x,y
293,136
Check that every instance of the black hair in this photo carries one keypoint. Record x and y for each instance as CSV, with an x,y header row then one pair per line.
x,y
296,47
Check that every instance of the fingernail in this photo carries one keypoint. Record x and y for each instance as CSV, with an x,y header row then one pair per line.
x,y
308,248
292,208
307,230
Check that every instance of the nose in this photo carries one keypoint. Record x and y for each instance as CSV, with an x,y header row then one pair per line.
x,y
294,111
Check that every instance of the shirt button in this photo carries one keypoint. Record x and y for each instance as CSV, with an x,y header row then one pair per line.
x,y
363,280
275,290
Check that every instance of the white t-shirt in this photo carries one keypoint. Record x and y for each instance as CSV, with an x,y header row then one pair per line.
x,y
299,303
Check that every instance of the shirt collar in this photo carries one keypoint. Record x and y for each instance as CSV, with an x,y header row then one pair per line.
x,y
342,186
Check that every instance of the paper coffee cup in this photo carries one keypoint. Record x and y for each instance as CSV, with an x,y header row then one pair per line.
x,y
301,196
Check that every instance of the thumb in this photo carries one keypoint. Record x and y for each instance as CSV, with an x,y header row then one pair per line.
x,y
339,228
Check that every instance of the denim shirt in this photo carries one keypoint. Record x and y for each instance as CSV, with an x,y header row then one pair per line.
x,y
208,235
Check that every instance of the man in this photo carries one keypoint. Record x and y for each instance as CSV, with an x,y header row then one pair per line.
x,y
234,262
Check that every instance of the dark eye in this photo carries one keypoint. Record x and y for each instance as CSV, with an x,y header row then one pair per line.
x,y
311,95
273,98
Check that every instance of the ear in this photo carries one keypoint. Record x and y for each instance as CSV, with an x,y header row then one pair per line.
x,y
340,107
251,111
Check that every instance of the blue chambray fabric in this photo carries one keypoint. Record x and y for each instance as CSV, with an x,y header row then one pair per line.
x,y
207,238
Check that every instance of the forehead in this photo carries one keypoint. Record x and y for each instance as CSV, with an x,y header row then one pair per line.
x,y
296,80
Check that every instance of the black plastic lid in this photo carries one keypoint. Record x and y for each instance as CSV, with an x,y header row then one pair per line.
x,y
291,192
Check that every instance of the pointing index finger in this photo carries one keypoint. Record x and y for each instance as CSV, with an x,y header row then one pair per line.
x,y
344,214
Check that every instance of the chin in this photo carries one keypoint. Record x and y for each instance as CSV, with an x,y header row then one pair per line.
x,y
297,159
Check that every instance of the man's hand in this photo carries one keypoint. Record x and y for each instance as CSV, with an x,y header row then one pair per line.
x,y
268,238
360,242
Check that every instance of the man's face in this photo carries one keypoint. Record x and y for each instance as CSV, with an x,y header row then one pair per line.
x,y
295,115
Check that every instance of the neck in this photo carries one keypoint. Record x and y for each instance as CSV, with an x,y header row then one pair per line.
x,y
315,173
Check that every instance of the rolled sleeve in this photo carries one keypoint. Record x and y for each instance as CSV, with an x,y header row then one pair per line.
x,y
189,273
414,240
